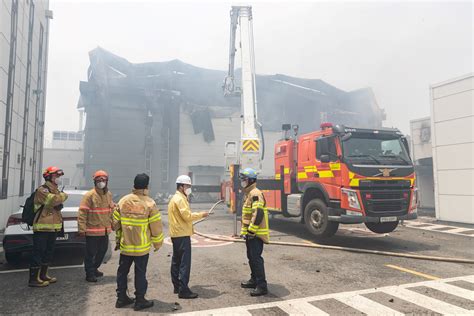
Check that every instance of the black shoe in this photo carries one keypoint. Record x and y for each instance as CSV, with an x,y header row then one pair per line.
x,y
123,300
98,274
91,278
188,295
142,303
250,284
175,291
259,291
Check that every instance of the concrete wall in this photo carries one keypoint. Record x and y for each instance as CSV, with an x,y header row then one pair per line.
x,y
452,119
422,155
24,99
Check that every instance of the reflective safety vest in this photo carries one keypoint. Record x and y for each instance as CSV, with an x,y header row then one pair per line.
x,y
95,213
255,214
49,219
138,221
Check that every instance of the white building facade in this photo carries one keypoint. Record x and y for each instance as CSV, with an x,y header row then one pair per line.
x,y
452,121
24,29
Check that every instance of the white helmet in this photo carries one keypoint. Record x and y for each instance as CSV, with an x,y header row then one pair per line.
x,y
184,179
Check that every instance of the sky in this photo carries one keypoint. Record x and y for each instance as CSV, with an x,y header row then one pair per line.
x,y
397,48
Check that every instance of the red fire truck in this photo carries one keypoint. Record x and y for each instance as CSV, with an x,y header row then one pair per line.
x,y
342,175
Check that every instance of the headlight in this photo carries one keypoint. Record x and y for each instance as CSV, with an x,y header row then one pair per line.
x,y
352,198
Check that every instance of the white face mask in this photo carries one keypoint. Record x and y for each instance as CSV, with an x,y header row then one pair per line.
x,y
57,181
101,185
244,183
188,191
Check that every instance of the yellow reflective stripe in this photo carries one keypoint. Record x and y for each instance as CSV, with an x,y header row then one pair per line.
x,y
259,233
117,215
133,223
155,218
135,220
158,239
326,174
47,226
310,168
302,175
135,248
354,183
335,166
277,176
253,228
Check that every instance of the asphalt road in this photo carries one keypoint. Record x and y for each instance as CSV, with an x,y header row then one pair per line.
x,y
218,268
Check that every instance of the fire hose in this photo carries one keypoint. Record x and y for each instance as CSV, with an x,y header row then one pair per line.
x,y
339,248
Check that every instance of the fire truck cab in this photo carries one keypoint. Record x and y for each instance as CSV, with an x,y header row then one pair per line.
x,y
344,175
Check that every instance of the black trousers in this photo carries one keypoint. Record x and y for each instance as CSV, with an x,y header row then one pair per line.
x,y
256,263
43,248
181,263
96,247
141,263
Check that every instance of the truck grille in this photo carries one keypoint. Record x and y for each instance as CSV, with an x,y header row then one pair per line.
x,y
385,202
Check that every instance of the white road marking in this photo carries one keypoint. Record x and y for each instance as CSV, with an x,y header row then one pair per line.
x,y
425,301
453,290
301,308
367,306
453,230
354,299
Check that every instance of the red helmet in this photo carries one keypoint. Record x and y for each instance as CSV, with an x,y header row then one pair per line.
x,y
100,173
50,171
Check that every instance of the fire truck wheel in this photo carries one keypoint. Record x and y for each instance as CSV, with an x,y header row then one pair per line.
x,y
382,228
316,219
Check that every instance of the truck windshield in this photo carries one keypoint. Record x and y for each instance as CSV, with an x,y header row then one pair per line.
x,y
373,149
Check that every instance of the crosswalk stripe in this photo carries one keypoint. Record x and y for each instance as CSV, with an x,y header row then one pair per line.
x,y
367,306
301,308
357,301
452,289
425,301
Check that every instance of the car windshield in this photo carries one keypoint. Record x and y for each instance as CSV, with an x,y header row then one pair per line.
x,y
371,149
73,200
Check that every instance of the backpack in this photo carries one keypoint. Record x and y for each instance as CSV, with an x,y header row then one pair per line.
x,y
28,214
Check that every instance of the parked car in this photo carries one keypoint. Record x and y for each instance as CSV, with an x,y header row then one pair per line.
x,y
19,237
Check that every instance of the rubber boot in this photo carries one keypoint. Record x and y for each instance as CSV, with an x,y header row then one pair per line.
x,y
141,303
123,300
259,291
91,278
44,274
35,280
98,274
250,284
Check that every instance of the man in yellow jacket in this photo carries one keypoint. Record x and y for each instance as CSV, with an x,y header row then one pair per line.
x,y
255,231
139,220
47,224
95,222
181,220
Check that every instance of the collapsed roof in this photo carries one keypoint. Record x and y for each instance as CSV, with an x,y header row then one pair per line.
x,y
281,98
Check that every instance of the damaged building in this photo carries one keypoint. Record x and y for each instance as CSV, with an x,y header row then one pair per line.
x,y
170,118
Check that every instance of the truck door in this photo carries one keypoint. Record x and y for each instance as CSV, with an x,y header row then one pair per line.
x,y
329,172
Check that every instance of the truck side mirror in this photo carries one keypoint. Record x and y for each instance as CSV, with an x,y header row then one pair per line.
x,y
325,158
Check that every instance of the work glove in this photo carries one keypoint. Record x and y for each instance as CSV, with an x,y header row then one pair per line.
x,y
244,237
117,246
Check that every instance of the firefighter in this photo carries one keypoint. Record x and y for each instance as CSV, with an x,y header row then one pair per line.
x,y
48,222
181,229
95,222
139,220
255,231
